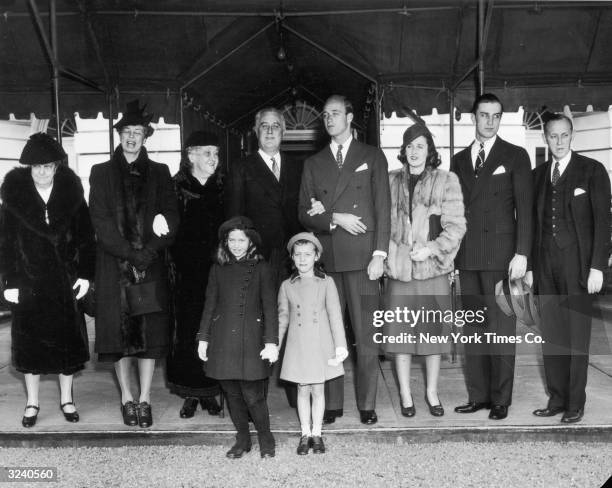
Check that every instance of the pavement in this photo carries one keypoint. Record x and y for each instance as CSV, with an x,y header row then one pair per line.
x,y
97,397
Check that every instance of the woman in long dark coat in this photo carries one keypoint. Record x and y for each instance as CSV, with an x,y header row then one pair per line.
x,y
198,185
46,262
133,210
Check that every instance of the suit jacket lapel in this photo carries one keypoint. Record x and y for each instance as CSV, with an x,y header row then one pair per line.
x,y
261,173
572,174
348,168
466,171
540,187
487,170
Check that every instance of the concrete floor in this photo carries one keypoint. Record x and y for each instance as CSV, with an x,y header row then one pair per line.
x,y
97,398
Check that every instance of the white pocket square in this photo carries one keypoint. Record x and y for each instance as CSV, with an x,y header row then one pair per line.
x,y
499,171
363,167
578,191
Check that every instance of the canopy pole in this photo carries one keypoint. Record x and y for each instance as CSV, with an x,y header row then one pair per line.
x,y
378,112
182,121
111,133
55,79
480,47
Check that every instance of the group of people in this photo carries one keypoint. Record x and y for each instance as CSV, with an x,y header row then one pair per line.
x,y
213,271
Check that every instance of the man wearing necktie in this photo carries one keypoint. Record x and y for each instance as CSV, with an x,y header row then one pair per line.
x,y
265,187
345,201
496,182
570,252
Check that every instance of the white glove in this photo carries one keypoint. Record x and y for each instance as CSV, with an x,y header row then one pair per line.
x,y
202,347
341,355
11,295
83,286
160,226
269,352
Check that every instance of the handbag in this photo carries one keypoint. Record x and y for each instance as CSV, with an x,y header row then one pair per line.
x,y
142,297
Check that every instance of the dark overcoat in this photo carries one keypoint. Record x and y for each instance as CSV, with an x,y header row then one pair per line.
x,y
240,316
43,260
272,205
106,207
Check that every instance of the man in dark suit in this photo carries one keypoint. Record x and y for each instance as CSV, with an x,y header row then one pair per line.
x,y
496,182
265,187
345,201
570,252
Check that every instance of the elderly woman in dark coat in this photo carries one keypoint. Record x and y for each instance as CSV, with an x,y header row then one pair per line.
x,y
199,190
133,210
427,225
46,262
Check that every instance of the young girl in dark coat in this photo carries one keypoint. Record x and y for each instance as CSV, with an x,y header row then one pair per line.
x,y
238,335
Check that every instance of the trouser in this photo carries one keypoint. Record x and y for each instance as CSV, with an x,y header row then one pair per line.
x,y
489,366
359,292
566,313
244,398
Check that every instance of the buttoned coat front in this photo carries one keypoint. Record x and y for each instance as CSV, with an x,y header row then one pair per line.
x,y
240,316
309,309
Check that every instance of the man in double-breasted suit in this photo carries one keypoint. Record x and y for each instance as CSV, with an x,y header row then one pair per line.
x,y
496,182
265,187
570,252
345,201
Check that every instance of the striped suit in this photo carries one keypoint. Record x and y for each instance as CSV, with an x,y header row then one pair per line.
x,y
498,210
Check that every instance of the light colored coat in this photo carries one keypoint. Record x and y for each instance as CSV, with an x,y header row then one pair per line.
x,y
309,310
438,192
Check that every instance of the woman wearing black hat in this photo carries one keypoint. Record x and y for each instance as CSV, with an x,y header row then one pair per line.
x,y
427,225
200,199
134,212
46,262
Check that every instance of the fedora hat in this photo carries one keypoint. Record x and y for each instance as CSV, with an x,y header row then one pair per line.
x,y
516,299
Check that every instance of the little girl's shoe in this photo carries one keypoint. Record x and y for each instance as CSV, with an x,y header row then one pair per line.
x,y
69,416
317,445
304,445
30,421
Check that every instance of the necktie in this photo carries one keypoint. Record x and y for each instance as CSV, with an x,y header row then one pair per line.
x,y
275,168
556,175
480,159
339,156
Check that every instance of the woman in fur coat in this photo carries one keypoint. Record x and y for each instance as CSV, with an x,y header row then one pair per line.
x,y
134,212
47,253
427,225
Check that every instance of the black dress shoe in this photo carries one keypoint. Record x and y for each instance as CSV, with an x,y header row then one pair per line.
x,y
498,412
210,405
317,445
69,416
189,408
30,421
408,411
130,413
238,450
471,407
330,416
435,410
145,415
368,417
304,445
548,411
572,416
267,452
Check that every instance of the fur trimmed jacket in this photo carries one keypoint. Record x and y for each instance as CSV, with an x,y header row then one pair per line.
x,y
44,248
437,192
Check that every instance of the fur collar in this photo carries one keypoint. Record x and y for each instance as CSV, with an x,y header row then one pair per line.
x,y
20,198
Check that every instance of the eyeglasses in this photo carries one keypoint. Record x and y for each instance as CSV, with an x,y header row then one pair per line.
x,y
270,127
132,133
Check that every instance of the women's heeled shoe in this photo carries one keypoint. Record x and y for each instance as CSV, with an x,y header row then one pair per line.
x,y
189,408
435,410
408,411
70,416
31,420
